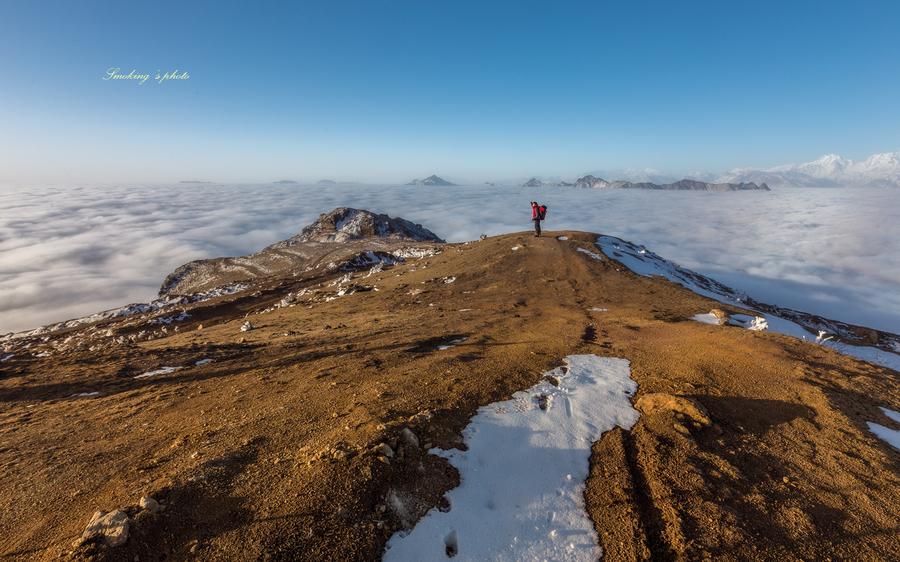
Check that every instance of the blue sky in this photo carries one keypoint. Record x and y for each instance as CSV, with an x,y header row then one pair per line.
x,y
386,91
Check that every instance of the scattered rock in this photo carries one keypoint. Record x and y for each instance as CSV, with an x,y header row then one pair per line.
x,y
110,528
385,450
661,402
247,326
400,507
149,504
543,401
681,429
409,437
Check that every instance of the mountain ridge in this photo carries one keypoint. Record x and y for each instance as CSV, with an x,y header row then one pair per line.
x,y
592,182
301,413
829,170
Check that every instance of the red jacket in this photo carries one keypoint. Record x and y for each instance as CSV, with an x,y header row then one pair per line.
x,y
534,212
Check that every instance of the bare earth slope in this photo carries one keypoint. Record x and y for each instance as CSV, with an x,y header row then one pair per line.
x,y
750,445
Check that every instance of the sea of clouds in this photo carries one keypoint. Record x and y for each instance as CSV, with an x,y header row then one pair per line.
x,y
70,251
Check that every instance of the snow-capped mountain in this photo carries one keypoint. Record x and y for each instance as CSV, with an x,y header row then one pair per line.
x,y
878,170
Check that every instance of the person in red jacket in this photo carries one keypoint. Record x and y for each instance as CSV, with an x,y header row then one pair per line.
x,y
536,217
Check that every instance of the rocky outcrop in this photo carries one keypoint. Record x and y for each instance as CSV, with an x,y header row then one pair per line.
x,y
682,185
341,239
345,223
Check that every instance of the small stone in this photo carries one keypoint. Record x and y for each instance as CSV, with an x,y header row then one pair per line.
x,y
385,450
111,528
199,326
543,401
409,437
247,326
681,429
785,479
149,504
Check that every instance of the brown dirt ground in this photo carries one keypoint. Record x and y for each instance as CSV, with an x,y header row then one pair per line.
x,y
750,446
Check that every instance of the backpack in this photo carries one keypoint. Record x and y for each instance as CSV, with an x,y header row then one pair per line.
x,y
542,212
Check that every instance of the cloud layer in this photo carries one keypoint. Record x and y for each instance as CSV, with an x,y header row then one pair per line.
x,y
71,251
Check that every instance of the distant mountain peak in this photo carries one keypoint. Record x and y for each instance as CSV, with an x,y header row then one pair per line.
x,y
431,180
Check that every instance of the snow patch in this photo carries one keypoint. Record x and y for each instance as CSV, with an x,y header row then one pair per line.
x,y
562,237
160,371
202,362
451,343
596,256
521,492
415,253
823,337
708,318
891,436
180,317
755,323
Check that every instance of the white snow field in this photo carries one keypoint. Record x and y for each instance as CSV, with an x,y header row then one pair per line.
x,y
891,436
644,262
522,478
71,251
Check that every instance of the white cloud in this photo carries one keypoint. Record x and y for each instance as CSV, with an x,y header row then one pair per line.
x,y
67,252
